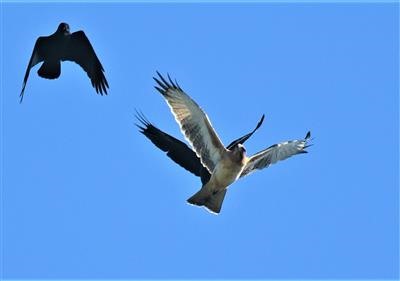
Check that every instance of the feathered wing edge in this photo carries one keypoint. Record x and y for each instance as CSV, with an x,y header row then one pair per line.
x,y
244,138
198,132
81,51
275,153
176,150
35,59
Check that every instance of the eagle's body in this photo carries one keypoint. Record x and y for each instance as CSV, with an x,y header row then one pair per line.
x,y
228,169
225,165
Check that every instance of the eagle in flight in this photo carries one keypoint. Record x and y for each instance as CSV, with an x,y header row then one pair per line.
x,y
180,152
61,46
221,166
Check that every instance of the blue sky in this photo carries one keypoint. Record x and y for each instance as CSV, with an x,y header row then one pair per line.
x,y
85,195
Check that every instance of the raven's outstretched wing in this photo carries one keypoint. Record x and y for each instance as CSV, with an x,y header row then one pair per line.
x,y
242,140
80,50
177,150
36,57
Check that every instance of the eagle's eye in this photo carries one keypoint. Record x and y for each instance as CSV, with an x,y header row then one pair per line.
x,y
240,147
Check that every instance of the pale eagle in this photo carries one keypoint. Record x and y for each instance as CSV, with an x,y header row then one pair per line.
x,y
224,164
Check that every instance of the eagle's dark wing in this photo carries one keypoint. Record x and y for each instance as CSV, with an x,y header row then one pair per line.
x,y
241,140
177,150
36,57
193,122
79,50
275,153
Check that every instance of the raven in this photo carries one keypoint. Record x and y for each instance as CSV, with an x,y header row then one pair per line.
x,y
61,46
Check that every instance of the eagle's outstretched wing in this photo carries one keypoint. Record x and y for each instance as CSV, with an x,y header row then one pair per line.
x,y
275,153
193,122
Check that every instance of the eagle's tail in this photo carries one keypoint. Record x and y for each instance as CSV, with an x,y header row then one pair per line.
x,y
200,198
208,199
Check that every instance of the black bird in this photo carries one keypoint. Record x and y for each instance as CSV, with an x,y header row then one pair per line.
x,y
180,152
61,46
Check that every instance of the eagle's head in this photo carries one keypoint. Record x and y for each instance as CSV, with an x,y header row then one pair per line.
x,y
239,152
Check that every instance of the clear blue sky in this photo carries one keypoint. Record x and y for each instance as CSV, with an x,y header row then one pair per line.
x,y
85,195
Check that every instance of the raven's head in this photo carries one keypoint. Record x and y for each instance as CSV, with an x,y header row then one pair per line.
x,y
63,28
